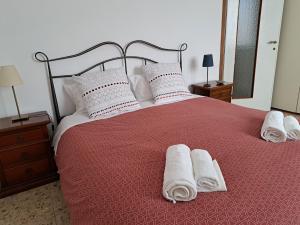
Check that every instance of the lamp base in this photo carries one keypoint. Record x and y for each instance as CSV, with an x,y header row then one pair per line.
x,y
16,119
220,82
206,85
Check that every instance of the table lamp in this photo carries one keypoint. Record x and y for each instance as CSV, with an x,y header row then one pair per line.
x,y
207,62
9,77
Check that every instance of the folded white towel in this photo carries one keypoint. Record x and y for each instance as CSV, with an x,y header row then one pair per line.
x,y
207,173
273,128
179,183
222,184
292,127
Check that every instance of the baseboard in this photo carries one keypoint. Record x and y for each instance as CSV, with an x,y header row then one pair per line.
x,y
285,111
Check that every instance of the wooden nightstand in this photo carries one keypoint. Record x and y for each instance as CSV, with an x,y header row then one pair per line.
x,y
26,157
221,92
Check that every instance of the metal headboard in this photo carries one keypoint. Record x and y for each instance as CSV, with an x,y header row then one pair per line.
x,y
42,57
181,48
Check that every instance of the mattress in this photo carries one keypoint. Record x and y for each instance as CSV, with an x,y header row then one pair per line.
x,y
111,170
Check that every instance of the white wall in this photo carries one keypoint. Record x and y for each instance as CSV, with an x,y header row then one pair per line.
x,y
65,27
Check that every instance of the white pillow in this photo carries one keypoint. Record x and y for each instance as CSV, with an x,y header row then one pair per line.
x,y
73,91
106,93
166,82
140,87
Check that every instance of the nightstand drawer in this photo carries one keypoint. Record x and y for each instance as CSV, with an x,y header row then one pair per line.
x,y
27,171
225,99
221,93
23,137
23,154
198,91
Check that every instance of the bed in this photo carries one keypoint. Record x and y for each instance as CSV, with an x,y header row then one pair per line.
x,y
111,170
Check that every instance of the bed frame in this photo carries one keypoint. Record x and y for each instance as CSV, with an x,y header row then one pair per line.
x,y
42,57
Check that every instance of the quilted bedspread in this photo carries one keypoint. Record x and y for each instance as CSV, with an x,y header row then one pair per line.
x,y
112,170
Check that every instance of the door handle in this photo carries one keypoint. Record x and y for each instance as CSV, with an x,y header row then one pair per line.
x,y
272,42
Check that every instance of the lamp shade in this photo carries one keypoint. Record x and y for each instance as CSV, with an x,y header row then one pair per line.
x,y
9,76
208,61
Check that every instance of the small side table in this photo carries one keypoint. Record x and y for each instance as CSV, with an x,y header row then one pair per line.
x,y
26,156
222,92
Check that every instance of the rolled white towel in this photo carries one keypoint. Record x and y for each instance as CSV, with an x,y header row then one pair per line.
x,y
179,183
273,128
292,127
207,173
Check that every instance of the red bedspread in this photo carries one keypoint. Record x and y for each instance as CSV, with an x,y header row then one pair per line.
x,y
112,170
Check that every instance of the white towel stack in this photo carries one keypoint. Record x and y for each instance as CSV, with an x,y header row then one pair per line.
x,y
273,128
187,172
277,128
292,128
179,183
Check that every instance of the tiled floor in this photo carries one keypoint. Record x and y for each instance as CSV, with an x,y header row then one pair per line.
x,y
39,206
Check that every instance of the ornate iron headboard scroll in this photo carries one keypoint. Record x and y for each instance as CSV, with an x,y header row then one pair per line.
x,y
42,57
181,48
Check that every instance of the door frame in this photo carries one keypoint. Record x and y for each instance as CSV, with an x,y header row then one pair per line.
x,y
223,39
223,44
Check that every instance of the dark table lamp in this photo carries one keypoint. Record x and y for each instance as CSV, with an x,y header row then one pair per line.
x,y
9,77
207,62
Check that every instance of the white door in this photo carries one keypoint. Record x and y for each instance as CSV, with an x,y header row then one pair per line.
x,y
266,56
287,79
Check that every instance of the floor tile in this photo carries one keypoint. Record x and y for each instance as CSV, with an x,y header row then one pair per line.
x,y
42,205
60,210
62,217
